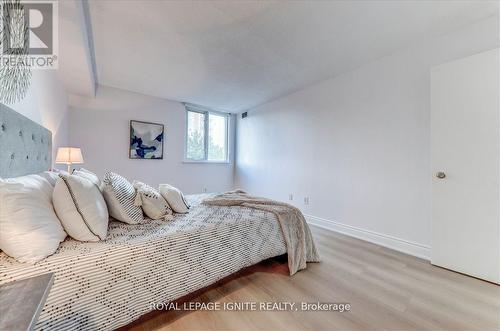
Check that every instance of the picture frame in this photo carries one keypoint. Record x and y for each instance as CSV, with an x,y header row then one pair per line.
x,y
146,140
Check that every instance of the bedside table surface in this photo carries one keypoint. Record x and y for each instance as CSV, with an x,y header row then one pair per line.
x,y
21,301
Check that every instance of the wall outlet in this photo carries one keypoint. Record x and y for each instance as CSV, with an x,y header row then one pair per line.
x,y
306,200
290,197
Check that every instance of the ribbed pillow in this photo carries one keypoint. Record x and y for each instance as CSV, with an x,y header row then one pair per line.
x,y
81,208
120,195
151,201
29,227
175,198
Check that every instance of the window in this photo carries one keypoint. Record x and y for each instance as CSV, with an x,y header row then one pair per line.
x,y
206,135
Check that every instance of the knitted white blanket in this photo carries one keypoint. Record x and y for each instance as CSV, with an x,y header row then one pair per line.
x,y
296,232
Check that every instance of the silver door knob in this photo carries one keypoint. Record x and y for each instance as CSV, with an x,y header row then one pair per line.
x,y
440,175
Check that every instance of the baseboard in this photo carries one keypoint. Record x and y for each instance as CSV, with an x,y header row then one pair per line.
x,y
401,245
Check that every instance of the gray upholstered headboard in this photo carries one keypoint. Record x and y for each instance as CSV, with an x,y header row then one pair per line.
x,y
25,146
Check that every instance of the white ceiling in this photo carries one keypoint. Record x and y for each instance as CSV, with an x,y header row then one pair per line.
x,y
75,67
234,55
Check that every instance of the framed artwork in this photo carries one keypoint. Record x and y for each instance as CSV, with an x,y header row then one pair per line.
x,y
146,140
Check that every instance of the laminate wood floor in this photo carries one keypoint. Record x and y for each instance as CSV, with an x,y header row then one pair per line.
x,y
387,290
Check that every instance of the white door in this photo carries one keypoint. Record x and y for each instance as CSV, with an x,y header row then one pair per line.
x,y
465,143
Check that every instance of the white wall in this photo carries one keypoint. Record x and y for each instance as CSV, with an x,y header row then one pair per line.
x,y
358,144
47,104
100,126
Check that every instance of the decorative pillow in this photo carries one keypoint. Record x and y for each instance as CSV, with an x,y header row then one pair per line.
x,y
81,208
50,176
120,195
151,201
175,198
29,228
90,176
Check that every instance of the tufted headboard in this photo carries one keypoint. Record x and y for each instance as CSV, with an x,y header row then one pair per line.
x,y
25,146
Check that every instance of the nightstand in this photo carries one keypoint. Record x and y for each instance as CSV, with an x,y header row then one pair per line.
x,y
21,302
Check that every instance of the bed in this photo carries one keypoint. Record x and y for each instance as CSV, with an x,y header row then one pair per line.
x,y
108,284
111,283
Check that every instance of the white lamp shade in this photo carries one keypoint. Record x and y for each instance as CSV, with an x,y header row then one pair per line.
x,y
69,155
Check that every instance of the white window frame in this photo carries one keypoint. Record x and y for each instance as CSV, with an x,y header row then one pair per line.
x,y
206,112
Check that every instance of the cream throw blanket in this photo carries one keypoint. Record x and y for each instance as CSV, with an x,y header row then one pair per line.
x,y
298,238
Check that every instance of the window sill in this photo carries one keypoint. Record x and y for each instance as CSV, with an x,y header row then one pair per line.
x,y
206,162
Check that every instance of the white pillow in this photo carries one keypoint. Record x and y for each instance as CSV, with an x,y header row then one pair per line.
x,y
151,201
50,176
120,195
81,208
29,228
90,176
175,198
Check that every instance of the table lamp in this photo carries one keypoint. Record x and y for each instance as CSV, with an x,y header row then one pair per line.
x,y
69,156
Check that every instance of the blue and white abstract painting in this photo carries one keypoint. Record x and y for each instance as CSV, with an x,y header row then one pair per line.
x,y
146,140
